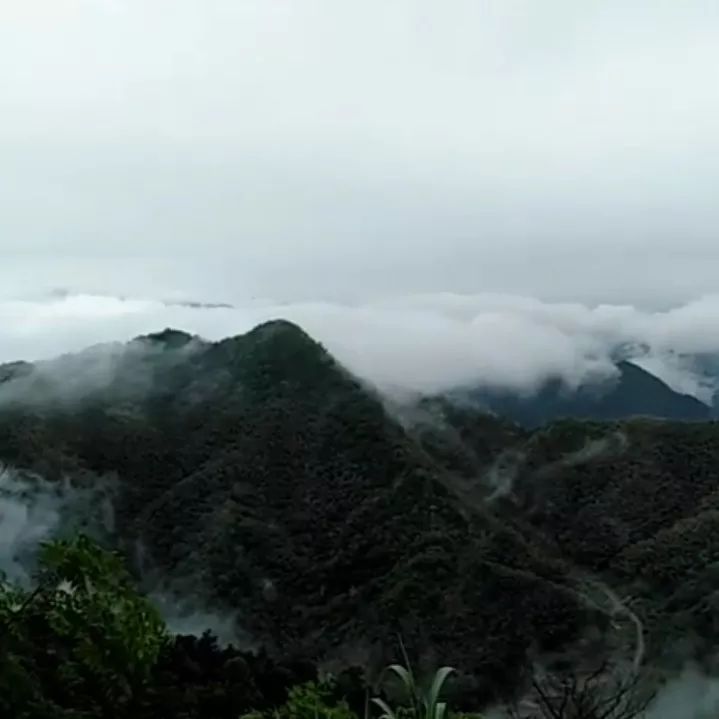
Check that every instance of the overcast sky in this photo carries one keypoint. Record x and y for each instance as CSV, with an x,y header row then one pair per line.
x,y
341,148
442,192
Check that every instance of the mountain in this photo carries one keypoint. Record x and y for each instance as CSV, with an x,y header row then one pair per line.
x,y
633,392
704,369
260,476
631,506
259,472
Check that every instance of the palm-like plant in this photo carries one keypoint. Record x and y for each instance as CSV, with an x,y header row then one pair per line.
x,y
423,703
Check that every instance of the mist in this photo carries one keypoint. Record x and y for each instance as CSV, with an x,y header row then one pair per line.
x,y
26,519
34,510
413,343
483,191
692,695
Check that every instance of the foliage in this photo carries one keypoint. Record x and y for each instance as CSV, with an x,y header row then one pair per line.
x,y
94,599
81,641
263,469
313,700
83,644
259,467
320,700
420,702
195,678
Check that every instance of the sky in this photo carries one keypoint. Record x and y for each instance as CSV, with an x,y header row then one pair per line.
x,y
349,156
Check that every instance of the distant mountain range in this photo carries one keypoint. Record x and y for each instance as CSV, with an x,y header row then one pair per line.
x,y
63,293
633,392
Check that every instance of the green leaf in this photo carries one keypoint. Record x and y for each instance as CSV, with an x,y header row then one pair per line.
x,y
435,690
387,711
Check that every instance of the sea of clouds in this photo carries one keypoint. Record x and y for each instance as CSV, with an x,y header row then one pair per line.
x,y
422,343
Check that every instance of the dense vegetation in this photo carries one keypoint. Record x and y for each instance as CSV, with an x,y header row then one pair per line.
x,y
278,485
258,475
82,643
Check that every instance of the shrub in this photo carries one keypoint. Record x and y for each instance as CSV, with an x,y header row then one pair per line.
x,y
421,702
313,700
82,643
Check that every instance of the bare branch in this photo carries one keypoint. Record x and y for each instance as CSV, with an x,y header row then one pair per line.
x,y
607,692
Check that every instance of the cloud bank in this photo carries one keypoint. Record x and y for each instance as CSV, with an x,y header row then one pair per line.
x,y
34,510
417,343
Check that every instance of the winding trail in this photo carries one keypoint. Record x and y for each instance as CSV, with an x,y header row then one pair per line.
x,y
620,607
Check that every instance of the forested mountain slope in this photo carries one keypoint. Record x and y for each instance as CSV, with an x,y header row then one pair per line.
x,y
632,392
275,481
259,472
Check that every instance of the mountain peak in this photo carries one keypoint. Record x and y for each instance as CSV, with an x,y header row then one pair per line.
x,y
168,338
279,351
13,370
633,392
282,327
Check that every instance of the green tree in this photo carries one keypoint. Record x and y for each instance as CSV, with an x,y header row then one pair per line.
x,y
82,643
313,700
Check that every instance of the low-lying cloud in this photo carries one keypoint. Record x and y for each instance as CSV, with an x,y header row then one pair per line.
x,y
693,695
34,510
422,343
27,518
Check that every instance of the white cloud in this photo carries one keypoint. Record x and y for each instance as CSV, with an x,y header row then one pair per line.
x,y
420,343
34,510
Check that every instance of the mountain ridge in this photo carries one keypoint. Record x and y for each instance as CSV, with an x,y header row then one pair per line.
x,y
278,485
632,392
